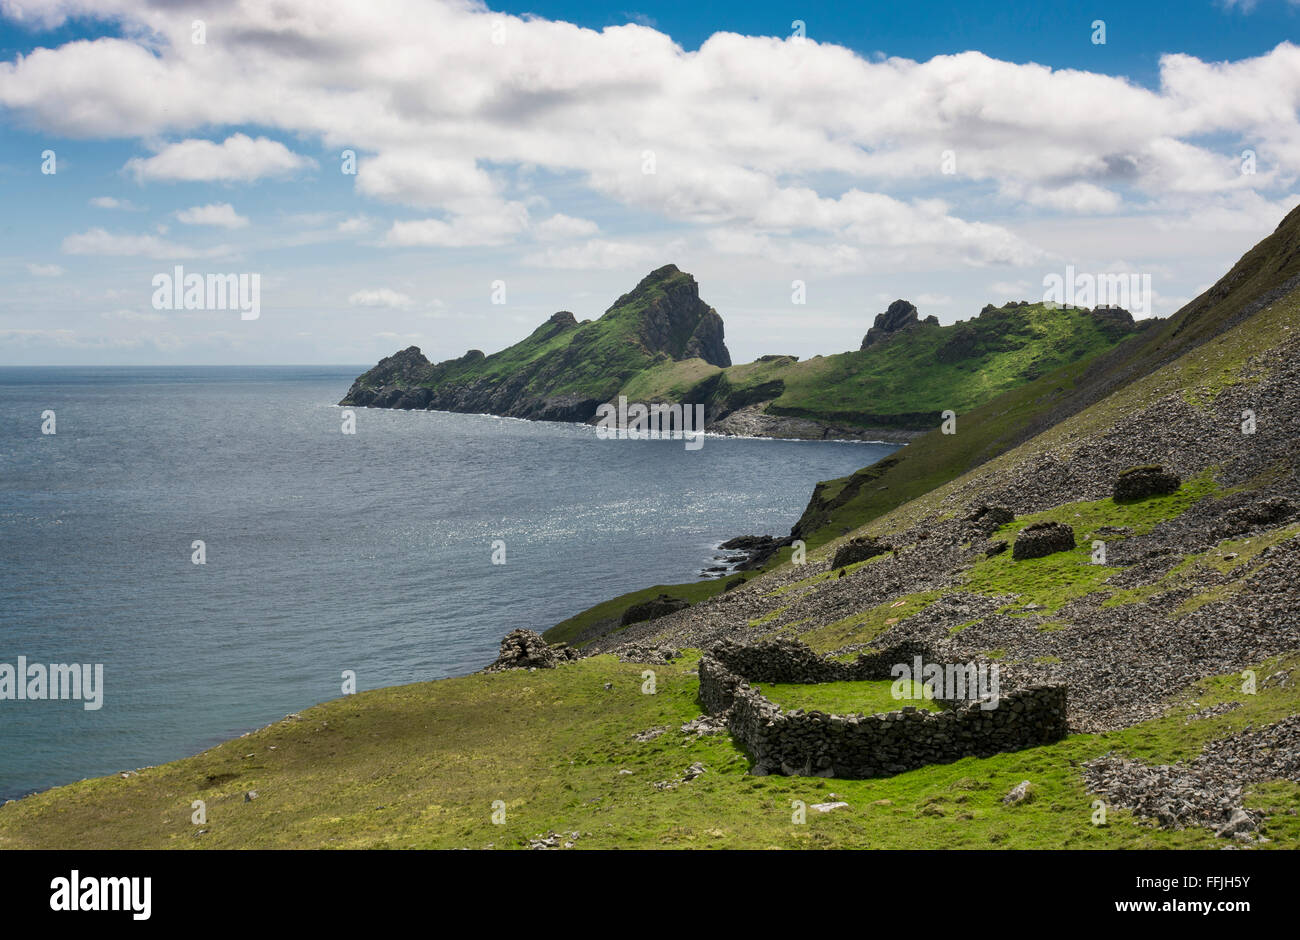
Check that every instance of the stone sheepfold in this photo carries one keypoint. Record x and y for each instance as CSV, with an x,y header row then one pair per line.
x,y
856,746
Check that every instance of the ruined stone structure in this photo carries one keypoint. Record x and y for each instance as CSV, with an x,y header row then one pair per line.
x,y
855,746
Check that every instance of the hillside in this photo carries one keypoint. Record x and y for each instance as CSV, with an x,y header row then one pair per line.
x,y
420,766
1179,649
564,369
1266,273
661,343
906,374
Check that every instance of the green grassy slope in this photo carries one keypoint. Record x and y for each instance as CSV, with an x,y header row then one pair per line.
x,y
905,381
592,359
661,343
661,320
421,766
1052,582
999,425
839,506
996,426
607,614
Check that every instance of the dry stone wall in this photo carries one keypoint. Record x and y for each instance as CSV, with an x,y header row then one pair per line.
x,y
855,746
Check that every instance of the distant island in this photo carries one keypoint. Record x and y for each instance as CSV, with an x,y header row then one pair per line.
x,y
662,343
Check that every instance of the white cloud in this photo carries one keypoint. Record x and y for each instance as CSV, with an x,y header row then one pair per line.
x,y
595,254
767,156
560,226
380,297
37,337
1243,211
44,270
822,256
133,316
424,180
496,224
357,225
1009,289
741,130
1081,198
110,202
98,241
221,214
239,158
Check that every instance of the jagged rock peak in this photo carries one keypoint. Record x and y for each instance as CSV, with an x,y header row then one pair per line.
x,y
410,352
661,274
564,318
402,363
899,315
402,369
673,318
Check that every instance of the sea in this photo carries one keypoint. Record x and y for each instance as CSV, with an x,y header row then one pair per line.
x,y
400,553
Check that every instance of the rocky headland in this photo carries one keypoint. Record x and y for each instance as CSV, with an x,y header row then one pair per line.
x,y
660,343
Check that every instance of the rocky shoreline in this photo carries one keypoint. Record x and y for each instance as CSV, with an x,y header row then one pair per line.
x,y
748,422
752,421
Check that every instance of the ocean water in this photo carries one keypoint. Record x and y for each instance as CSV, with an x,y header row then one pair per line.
x,y
324,551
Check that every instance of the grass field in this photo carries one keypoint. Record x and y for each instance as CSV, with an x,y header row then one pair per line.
x,y
424,766
845,698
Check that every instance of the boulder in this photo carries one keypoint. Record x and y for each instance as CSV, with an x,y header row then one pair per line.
x,y
1261,514
1239,823
859,549
986,519
1142,482
1041,539
757,548
660,606
1022,792
525,649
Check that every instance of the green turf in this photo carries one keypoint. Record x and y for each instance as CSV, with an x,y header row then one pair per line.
x,y
905,381
608,614
845,698
591,360
422,766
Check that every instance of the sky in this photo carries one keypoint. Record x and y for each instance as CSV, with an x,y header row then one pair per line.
x,y
447,175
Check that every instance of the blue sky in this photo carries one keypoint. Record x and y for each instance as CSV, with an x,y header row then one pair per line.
x,y
1056,33
953,154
